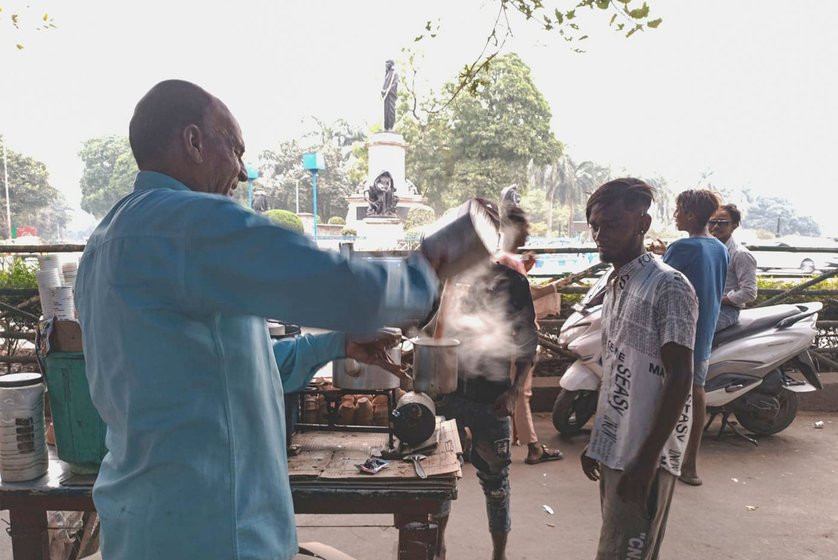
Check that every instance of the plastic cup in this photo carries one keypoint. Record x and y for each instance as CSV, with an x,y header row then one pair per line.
x,y
47,262
48,278
62,302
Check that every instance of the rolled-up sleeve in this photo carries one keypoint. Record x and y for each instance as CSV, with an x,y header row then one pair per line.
x,y
745,267
241,263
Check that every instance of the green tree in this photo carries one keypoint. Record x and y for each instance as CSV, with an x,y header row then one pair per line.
x,y
32,200
626,17
282,171
479,144
109,172
778,216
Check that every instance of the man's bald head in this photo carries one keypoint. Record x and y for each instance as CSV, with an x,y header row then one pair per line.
x,y
162,113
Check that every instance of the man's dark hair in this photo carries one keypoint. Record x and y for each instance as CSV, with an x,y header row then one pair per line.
x,y
633,193
735,213
701,203
163,112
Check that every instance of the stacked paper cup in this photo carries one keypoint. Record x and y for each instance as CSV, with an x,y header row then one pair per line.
x,y
61,299
49,278
69,271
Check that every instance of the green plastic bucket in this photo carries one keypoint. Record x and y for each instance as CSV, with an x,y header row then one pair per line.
x,y
79,430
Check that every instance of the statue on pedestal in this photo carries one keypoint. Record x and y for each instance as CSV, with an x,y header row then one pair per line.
x,y
388,93
260,202
382,196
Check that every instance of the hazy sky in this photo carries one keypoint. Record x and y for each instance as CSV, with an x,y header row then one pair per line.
x,y
747,89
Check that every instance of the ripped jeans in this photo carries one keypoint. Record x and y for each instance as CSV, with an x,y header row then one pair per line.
x,y
490,453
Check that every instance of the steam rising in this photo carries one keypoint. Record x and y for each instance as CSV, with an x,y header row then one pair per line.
x,y
480,320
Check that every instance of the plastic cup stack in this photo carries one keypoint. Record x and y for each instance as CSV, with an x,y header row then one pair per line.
x,y
48,279
69,271
61,299
49,261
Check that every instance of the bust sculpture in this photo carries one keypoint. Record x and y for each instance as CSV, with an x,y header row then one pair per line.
x,y
389,92
382,196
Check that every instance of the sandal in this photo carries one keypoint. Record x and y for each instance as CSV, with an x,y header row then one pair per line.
x,y
547,454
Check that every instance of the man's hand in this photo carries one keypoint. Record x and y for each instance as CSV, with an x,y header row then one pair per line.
x,y
528,260
589,466
635,481
375,352
505,403
657,247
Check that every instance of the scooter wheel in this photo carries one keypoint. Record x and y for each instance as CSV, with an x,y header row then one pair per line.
x,y
761,424
573,409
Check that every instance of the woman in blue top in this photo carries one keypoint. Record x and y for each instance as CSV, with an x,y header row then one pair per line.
x,y
703,260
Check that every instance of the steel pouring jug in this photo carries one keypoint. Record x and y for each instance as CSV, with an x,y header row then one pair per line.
x,y
466,237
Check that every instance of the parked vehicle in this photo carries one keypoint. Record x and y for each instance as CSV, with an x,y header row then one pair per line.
x,y
757,366
805,262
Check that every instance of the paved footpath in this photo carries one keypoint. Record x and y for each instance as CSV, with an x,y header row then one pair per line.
x,y
777,501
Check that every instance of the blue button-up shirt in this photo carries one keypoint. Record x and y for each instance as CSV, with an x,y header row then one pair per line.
x,y
172,292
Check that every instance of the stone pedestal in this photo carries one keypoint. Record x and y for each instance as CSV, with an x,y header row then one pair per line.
x,y
379,233
386,153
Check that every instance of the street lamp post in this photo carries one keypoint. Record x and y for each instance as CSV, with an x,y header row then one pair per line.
x,y
252,175
313,162
6,184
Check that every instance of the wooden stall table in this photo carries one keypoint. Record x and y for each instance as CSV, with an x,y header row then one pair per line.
x,y
28,504
324,479
320,484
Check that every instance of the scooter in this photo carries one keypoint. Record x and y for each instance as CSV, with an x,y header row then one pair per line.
x,y
757,366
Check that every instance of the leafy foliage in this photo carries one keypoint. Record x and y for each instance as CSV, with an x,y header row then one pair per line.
x,y
32,200
20,20
285,219
17,273
626,17
418,217
478,144
337,221
282,171
830,310
779,216
109,172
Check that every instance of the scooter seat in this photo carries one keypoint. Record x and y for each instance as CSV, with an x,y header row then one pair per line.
x,y
755,320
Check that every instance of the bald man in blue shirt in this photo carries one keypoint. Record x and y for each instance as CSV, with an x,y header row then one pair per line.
x,y
172,292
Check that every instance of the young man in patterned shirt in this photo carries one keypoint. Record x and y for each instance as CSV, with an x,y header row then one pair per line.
x,y
643,415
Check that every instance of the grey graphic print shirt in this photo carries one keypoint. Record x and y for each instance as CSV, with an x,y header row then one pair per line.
x,y
647,305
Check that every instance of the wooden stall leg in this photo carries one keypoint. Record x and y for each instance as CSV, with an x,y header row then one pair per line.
x,y
28,529
417,537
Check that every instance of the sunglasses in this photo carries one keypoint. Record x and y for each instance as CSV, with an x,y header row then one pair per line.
x,y
718,223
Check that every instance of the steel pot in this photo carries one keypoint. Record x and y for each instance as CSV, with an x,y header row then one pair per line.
x,y
352,374
463,240
435,365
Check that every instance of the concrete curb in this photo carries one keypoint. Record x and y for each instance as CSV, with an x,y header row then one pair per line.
x,y
546,389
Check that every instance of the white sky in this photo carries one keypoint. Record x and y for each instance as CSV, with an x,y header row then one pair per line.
x,y
748,89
